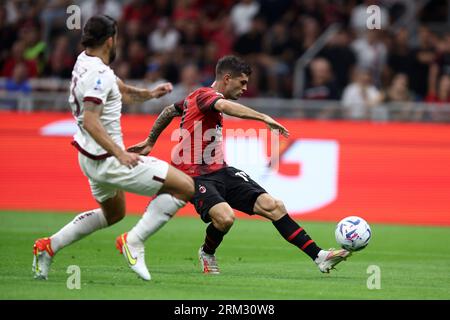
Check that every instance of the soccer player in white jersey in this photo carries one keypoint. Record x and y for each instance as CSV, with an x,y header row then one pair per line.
x,y
96,96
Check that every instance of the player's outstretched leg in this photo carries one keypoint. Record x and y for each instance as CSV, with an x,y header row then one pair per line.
x,y
222,217
112,210
274,210
177,189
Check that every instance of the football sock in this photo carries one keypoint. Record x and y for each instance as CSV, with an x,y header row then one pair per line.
x,y
159,211
83,224
213,239
296,235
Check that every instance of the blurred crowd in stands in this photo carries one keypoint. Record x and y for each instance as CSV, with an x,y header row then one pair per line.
x,y
181,40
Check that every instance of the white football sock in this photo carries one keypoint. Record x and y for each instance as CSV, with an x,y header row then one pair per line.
x,y
160,210
83,224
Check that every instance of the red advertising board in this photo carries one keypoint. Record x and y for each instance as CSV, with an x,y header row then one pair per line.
x,y
384,172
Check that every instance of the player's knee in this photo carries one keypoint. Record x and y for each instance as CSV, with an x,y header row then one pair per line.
x,y
224,221
267,203
228,221
272,208
279,210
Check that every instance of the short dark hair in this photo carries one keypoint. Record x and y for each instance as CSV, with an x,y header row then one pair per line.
x,y
97,29
233,65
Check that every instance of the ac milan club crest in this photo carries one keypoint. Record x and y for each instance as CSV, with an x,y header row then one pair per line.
x,y
202,189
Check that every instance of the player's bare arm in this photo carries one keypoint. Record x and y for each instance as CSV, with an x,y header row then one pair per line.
x,y
240,111
92,124
163,120
131,94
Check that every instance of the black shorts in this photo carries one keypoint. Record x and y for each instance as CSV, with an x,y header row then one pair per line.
x,y
225,185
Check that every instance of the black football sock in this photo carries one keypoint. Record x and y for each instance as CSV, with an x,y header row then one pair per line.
x,y
295,234
213,239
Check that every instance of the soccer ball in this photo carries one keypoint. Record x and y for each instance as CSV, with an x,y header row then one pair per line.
x,y
353,233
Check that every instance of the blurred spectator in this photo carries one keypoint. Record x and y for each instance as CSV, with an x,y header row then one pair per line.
x,y
211,16
277,43
18,83
189,82
335,12
134,32
34,46
398,95
91,8
310,9
191,41
136,59
163,8
273,10
321,85
61,61
140,12
251,43
400,57
399,91
208,64
341,56
12,12
305,32
242,15
53,18
19,80
436,97
441,92
17,56
122,70
443,54
8,35
371,53
164,38
423,58
185,10
361,98
153,78
224,37
278,55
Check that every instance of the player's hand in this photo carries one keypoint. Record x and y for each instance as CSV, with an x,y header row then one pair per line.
x,y
143,148
162,90
274,125
129,159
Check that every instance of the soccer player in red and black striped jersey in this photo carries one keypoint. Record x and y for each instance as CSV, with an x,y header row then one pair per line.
x,y
221,188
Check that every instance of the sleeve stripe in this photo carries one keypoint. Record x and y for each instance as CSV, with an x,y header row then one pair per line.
x,y
214,103
93,99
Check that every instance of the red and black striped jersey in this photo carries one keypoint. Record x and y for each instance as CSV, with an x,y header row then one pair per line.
x,y
200,148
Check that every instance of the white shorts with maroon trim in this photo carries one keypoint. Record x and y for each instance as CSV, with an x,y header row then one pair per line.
x,y
108,175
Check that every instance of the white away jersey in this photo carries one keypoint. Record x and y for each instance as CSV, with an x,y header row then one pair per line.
x,y
94,81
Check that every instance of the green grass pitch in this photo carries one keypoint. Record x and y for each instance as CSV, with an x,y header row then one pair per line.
x,y
256,263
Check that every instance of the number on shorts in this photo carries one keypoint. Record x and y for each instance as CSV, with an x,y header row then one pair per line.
x,y
242,174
